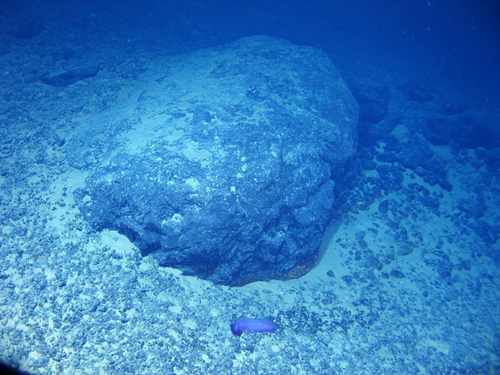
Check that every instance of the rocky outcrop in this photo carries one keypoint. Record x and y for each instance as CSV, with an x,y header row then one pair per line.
x,y
228,168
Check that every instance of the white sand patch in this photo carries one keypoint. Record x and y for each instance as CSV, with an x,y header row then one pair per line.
x,y
119,243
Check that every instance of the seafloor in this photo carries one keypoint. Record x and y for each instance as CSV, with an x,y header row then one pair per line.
x,y
408,284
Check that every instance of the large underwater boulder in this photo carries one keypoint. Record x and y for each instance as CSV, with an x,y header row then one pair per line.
x,y
229,170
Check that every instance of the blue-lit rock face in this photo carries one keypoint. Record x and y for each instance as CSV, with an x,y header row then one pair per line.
x,y
229,162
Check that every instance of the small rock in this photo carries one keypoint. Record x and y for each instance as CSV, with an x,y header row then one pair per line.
x,y
383,207
397,274
405,250
465,265
347,279
375,263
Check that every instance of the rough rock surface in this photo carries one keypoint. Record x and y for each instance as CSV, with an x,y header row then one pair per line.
x,y
229,161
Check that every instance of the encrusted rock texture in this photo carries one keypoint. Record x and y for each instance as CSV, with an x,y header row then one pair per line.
x,y
226,162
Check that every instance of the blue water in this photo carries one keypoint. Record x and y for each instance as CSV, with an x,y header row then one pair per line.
x,y
95,99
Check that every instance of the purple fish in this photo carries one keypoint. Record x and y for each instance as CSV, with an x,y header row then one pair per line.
x,y
252,325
